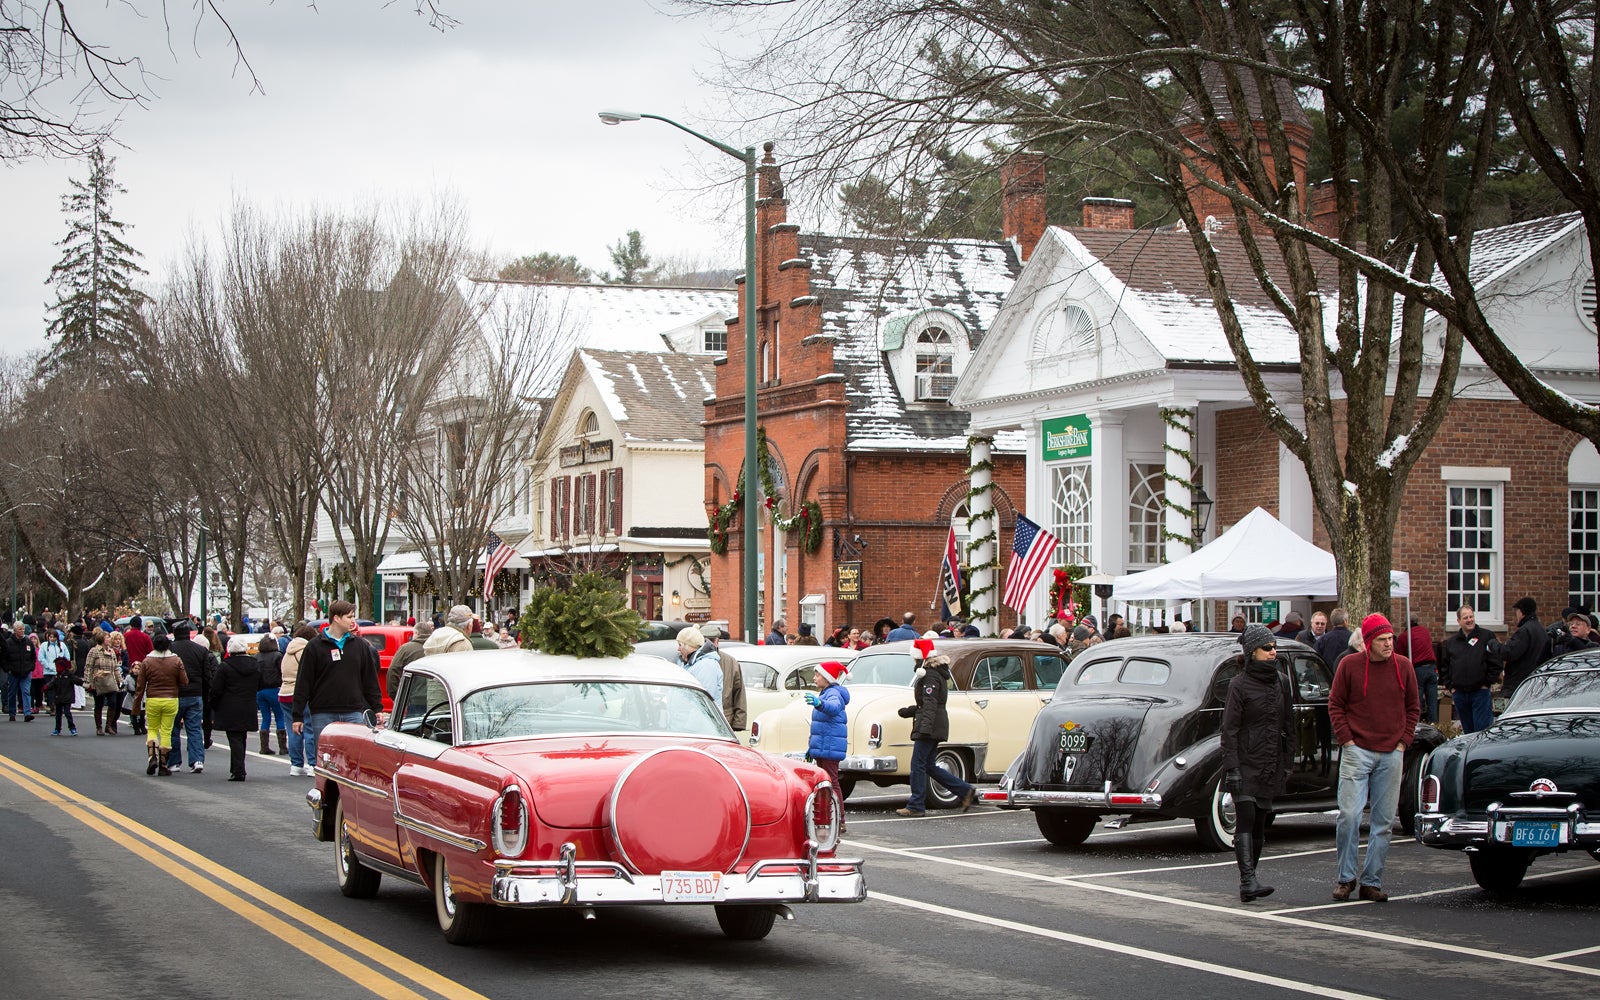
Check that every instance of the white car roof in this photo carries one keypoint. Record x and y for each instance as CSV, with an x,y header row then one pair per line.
x,y
783,657
484,668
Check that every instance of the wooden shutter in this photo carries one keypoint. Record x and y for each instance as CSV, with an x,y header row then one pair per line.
x,y
555,507
566,506
590,522
616,501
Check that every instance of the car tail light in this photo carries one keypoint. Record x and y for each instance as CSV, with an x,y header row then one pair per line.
x,y
1430,794
824,816
755,733
875,735
510,821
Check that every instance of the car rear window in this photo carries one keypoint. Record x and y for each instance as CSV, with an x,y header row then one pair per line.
x,y
882,668
1562,689
1100,672
377,642
1152,672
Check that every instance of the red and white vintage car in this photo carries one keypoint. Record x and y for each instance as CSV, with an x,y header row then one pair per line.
x,y
513,778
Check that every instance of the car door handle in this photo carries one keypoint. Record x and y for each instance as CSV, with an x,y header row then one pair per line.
x,y
1046,698
982,703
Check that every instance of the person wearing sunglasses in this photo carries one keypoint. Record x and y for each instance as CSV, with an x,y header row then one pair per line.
x,y
1256,731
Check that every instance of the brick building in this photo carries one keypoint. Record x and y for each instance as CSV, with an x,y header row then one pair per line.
x,y
860,341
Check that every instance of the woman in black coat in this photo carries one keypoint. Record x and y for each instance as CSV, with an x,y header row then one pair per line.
x,y
1256,730
233,701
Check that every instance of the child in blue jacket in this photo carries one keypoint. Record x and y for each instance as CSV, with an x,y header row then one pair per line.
x,y
830,732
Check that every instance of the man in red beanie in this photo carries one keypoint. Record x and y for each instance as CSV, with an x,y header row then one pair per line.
x,y
1373,707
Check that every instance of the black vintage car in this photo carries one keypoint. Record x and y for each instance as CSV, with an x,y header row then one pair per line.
x,y
1528,785
1134,730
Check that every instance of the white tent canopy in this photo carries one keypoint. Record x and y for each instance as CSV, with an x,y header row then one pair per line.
x,y
1258,557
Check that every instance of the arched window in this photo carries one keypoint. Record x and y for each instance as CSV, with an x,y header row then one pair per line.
x,y
1146,486
588,424
936,364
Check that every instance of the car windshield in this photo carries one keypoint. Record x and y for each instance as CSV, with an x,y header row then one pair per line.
x,y
882,668
555,707
1557,690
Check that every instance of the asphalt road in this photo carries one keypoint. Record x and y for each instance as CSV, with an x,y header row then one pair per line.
x,y
118,885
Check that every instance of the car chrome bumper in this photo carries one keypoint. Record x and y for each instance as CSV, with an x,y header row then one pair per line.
x,y
570,882
1105,798
314,800
1442,830
860,762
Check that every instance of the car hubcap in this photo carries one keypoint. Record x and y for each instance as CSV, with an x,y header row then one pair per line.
x,y
1227,814
445,893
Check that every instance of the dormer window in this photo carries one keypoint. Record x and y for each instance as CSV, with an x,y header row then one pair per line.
x,y
715,339
936,364
925,352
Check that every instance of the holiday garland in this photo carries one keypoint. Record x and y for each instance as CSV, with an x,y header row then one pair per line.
x,y
807,519
977,541
1178,419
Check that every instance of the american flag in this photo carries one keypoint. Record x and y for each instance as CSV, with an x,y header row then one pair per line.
x,y
499,553
1031,550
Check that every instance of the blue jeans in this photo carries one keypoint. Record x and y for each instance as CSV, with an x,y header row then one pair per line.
x,y
1428,689
297,741
271,708
19,689
315,721
1474,709
923,768
190,714
1367,777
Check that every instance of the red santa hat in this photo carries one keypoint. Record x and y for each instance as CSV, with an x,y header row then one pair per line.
x,y
833,670
921,649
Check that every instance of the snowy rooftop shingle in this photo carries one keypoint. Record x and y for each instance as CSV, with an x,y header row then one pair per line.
x,y
863,283
654,396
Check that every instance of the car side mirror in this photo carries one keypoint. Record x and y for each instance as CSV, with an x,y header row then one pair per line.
x,y
370,720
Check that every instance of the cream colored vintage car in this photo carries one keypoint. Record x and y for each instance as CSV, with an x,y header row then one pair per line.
x,y
775,676
998,686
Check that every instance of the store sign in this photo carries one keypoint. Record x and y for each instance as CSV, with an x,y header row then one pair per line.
x,y
586,453
1066,438
847,581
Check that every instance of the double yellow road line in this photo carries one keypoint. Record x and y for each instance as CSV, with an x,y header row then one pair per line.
x,y
365,963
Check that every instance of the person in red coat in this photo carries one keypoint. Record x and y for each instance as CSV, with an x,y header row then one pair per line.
x,y
1416,645
1373,707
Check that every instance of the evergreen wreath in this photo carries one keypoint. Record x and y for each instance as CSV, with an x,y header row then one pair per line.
x,y
807,518
1068,605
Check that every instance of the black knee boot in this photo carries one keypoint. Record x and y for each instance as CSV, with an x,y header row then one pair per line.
x,y
1245,854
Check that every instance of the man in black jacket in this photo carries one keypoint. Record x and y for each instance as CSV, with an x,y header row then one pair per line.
x,y
1527,647
338,679
199,668
1469,665
930,726
1334,645
18,655
1574,633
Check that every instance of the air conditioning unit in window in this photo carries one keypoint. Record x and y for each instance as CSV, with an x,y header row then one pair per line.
x,y
935,386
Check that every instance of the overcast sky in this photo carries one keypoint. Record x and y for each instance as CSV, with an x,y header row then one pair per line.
x,y
366,102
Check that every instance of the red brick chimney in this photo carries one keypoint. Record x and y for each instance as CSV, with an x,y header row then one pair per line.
x,y
1107,213
1324,209
1022,200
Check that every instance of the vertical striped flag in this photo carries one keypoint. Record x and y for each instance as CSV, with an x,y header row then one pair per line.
x,y
1031,550
498,554
950,576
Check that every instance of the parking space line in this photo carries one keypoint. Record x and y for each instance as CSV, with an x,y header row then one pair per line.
x,y
982,843
1132,951
1431,892
951,814
1272,916
1210,864
1574,953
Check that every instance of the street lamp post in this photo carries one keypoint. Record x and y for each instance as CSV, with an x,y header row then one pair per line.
x,y
752,628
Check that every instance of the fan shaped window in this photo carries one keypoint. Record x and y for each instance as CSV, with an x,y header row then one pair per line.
x,y
936,364
588,424
1064,335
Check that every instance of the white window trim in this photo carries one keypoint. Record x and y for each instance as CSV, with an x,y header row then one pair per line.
x,y
903,364
1496,615
1468,475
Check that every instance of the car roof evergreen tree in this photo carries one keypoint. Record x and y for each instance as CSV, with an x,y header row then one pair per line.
x,y
591,618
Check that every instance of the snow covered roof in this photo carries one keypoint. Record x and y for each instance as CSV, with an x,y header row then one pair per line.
x,y
864,285
607,317
653,395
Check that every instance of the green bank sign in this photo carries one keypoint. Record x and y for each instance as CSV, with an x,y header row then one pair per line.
x,y
1066,438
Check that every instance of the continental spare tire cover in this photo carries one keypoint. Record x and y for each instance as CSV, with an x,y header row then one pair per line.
x,y
679,809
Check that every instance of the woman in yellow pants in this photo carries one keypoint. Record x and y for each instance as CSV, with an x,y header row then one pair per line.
x,y
161,674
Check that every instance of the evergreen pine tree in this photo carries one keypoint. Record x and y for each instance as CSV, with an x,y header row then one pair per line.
x,y
97,307
632,263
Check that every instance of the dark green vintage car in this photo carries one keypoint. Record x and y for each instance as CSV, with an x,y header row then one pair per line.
x,y
1134,731
1527,786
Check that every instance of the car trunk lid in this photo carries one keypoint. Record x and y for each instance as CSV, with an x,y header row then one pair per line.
x,y
1511,755
1091,741
571,779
